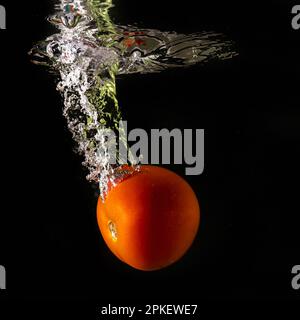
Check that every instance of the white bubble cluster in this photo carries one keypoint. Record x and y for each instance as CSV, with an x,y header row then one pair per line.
x,y
76,54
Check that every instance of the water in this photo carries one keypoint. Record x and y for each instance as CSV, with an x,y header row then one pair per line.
x,y
88,52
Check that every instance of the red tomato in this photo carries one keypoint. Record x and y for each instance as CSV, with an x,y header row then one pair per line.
x,y
150,219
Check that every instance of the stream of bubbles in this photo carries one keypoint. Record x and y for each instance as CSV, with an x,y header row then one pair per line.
x,y
87,53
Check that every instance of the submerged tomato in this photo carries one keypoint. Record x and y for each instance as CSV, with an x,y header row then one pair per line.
x,y
150,219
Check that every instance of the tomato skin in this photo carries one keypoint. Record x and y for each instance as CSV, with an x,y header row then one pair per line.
x,y
150,219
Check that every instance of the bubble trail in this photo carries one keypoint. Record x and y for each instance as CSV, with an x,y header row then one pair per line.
x,y
90,50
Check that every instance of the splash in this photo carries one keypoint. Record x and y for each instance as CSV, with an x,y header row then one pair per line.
x,y
89,51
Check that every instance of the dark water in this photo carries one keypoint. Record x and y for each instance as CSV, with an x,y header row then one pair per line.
x,y
248,240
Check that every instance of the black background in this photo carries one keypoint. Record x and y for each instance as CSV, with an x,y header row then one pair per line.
x,y
249,107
